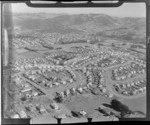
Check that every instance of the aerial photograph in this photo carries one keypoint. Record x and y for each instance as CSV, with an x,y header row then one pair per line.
x,y
76,64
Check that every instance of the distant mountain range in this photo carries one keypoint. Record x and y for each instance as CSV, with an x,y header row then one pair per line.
x,y
99,24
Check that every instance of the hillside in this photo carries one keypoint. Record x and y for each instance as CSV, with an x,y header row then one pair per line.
x,y
128,28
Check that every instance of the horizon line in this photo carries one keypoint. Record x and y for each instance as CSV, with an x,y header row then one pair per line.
x,y
78,14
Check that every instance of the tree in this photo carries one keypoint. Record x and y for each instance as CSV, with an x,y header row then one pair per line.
x,y
103,111
24,98
75,114
58,99
118,106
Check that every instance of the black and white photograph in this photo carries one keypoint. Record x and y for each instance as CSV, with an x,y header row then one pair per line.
x,y
74,65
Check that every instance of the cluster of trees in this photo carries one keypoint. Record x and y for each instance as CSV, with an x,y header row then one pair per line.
x,y
123,110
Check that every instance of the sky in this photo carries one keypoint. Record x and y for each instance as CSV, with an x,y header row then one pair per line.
x,y
126,10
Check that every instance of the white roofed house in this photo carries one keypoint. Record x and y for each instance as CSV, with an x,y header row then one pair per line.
x,y
67,92
23,114
43,70
80,89
26,89
35,93
42,109
56,83
82,112
63,82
